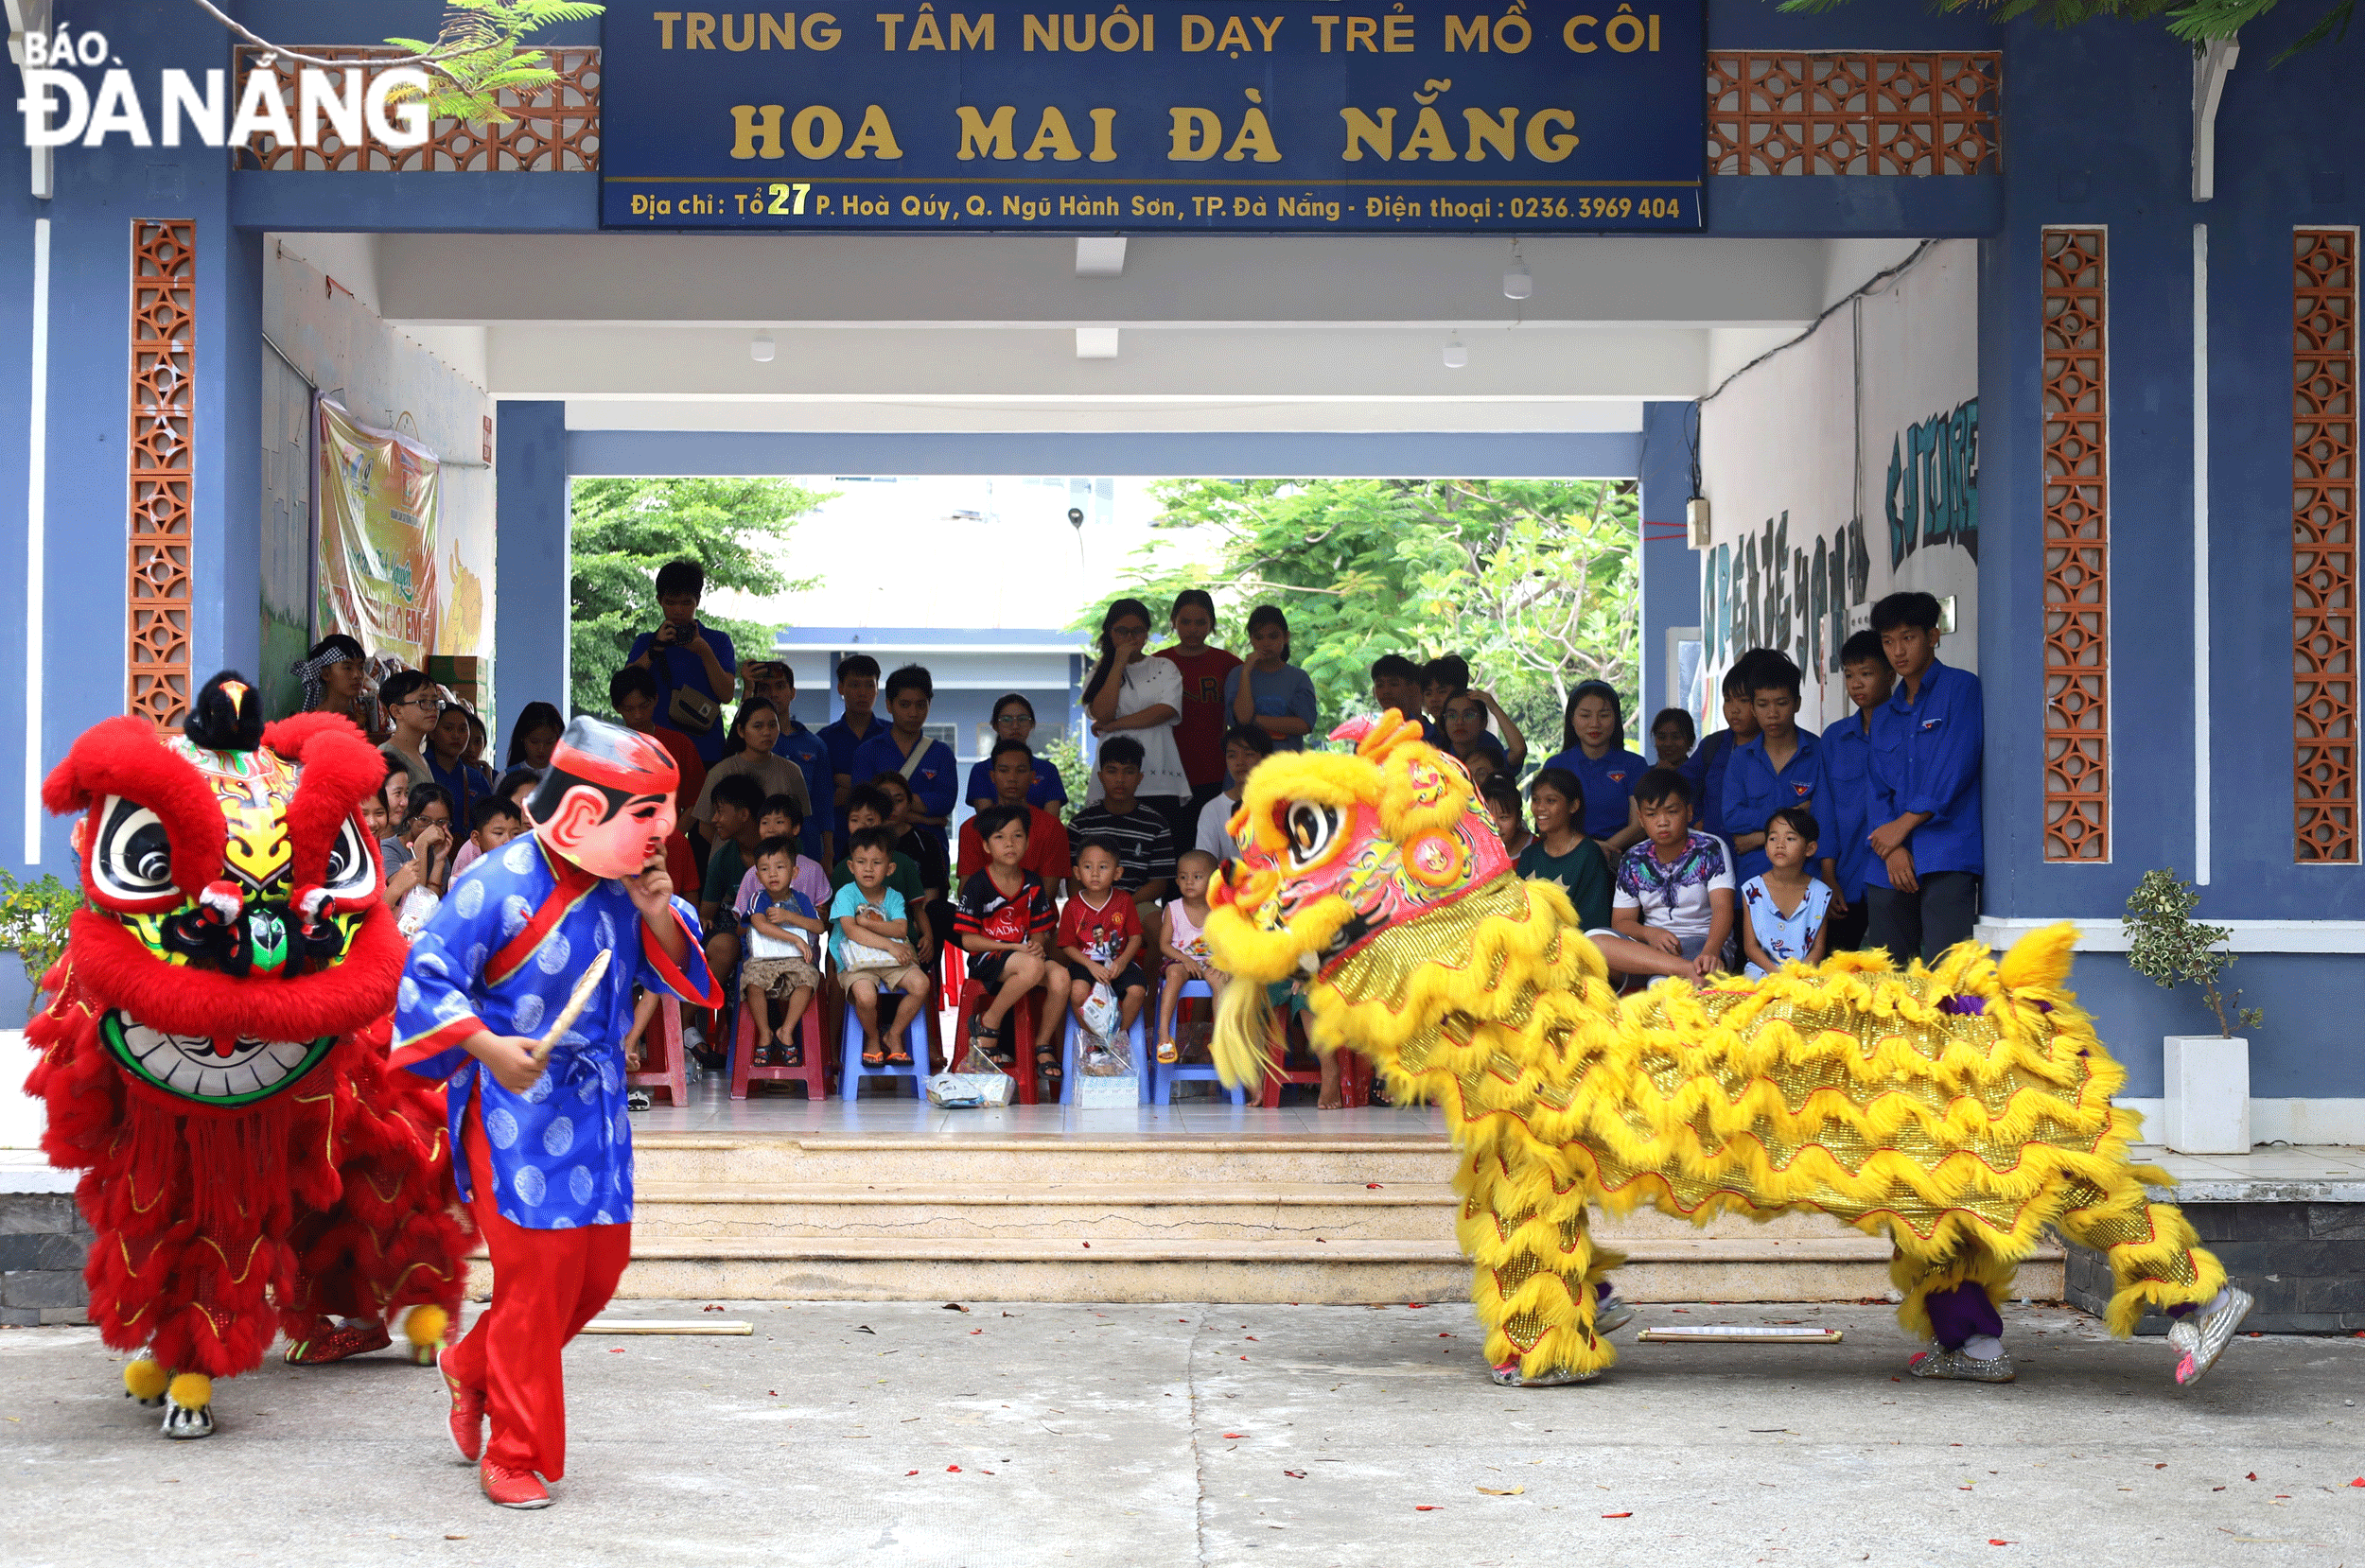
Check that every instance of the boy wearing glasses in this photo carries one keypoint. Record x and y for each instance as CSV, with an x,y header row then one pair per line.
x,y
413,703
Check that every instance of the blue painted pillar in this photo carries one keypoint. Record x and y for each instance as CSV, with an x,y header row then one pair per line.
x,y
226,554
530,624
1670,569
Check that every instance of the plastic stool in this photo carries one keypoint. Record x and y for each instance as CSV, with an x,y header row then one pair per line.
x,y
1021,1020
672,1073
1159,1077
1354,1073
851,1071
814,1074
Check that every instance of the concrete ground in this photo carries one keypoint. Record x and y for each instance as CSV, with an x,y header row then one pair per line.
x,y
1033,1433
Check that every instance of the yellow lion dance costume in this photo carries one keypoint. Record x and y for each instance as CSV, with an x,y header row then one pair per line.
x,y
1960,1109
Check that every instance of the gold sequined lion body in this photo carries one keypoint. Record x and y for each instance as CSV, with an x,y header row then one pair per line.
x,y
1961,1109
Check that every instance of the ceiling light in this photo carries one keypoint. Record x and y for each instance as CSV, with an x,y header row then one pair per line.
x,y
1456,356
760,350
1095,342
1099,256
1518,283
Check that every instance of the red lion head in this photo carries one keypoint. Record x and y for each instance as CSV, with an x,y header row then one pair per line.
x,y
236,928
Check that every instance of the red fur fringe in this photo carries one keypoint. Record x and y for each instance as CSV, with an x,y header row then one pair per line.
x,y
123,757
111,962
217,1230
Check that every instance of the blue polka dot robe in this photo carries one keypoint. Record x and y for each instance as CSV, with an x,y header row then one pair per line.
x,y
503,954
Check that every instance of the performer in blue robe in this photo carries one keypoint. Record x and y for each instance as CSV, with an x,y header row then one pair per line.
x,y
544,1146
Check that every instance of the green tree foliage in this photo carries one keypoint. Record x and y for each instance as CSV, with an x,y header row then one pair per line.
x,y
1535,581
624,529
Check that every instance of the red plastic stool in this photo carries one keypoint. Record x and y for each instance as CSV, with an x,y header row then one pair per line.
x,y
1354,1074
1020,1020
664,1063
814,1074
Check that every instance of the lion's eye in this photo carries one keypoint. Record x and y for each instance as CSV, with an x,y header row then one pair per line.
x,y
351,871
132,859
1311,829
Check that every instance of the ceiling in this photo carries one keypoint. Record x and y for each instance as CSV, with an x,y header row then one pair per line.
x,y
915,333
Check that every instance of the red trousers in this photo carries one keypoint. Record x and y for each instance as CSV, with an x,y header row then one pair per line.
x,y
547,1284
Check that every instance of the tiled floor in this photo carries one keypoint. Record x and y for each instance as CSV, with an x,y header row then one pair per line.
x,y
711,1111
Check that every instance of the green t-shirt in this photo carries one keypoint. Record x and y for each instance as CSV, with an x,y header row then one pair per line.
x,y
726,869
1582,873
904,878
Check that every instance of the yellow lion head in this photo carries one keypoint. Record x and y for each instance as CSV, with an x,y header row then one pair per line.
x,y
1340,846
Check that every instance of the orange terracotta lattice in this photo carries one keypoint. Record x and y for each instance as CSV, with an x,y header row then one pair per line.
x,y
2323,543
164,390
555,129
1854,113
2076,404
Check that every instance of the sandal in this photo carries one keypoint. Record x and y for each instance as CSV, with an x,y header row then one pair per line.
x,y
1047,1063
873,1058
898,1057
1166,1051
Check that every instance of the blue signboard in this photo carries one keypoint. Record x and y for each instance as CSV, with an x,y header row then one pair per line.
x,y
1567,115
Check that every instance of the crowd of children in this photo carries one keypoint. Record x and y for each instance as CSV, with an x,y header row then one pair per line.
x,y
822,860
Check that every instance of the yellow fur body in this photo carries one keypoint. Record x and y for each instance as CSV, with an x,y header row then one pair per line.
x,y
1845,1088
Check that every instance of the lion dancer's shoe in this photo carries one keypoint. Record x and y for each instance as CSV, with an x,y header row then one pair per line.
x,y
188,1401
1610,1313
1969,1333
2200,1332
337,1342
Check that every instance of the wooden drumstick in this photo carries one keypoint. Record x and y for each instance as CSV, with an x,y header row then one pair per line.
x,y
574,1007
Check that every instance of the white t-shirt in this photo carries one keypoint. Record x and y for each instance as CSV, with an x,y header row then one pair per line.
x,y
1149,682
1675,898
1215,834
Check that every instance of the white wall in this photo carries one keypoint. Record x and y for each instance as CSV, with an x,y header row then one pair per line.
x,y
1850,461
317,309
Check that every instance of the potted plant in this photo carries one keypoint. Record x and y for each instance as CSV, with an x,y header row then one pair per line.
x,y
2207,1075
33,919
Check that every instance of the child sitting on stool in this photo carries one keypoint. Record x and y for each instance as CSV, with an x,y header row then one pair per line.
x,y
781,927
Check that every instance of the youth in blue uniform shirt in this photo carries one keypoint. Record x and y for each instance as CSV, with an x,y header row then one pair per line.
x,y
1592,736
934,776
1927,739
1704,768
858,690
1756,786
776,683
683,654
1847,801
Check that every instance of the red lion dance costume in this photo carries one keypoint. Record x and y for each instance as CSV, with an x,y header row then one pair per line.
x,y
213,1056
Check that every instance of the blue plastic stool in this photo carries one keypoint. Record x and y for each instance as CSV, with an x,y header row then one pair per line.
x,y
851,1071
1159,1077
1068,1062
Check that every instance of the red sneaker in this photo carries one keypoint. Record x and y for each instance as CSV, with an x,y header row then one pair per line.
x,y
512,1489
335,1344
467,1420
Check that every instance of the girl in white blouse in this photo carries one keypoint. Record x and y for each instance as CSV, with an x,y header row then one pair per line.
x,y
1131,692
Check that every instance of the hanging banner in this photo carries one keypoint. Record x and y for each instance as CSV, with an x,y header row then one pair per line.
x,y
378,581
1567,115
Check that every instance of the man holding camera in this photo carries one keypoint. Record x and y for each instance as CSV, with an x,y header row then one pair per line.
x,y
693,665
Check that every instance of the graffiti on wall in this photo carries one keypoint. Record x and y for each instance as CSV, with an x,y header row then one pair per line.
x,y
1764,592
1932,490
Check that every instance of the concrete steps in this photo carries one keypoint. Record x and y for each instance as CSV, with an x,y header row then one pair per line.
x,y
1149,1219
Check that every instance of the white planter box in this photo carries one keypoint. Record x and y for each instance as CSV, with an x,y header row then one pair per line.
x,y
2208,1094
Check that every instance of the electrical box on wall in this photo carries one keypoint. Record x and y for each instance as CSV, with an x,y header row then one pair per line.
x,y
1696,522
